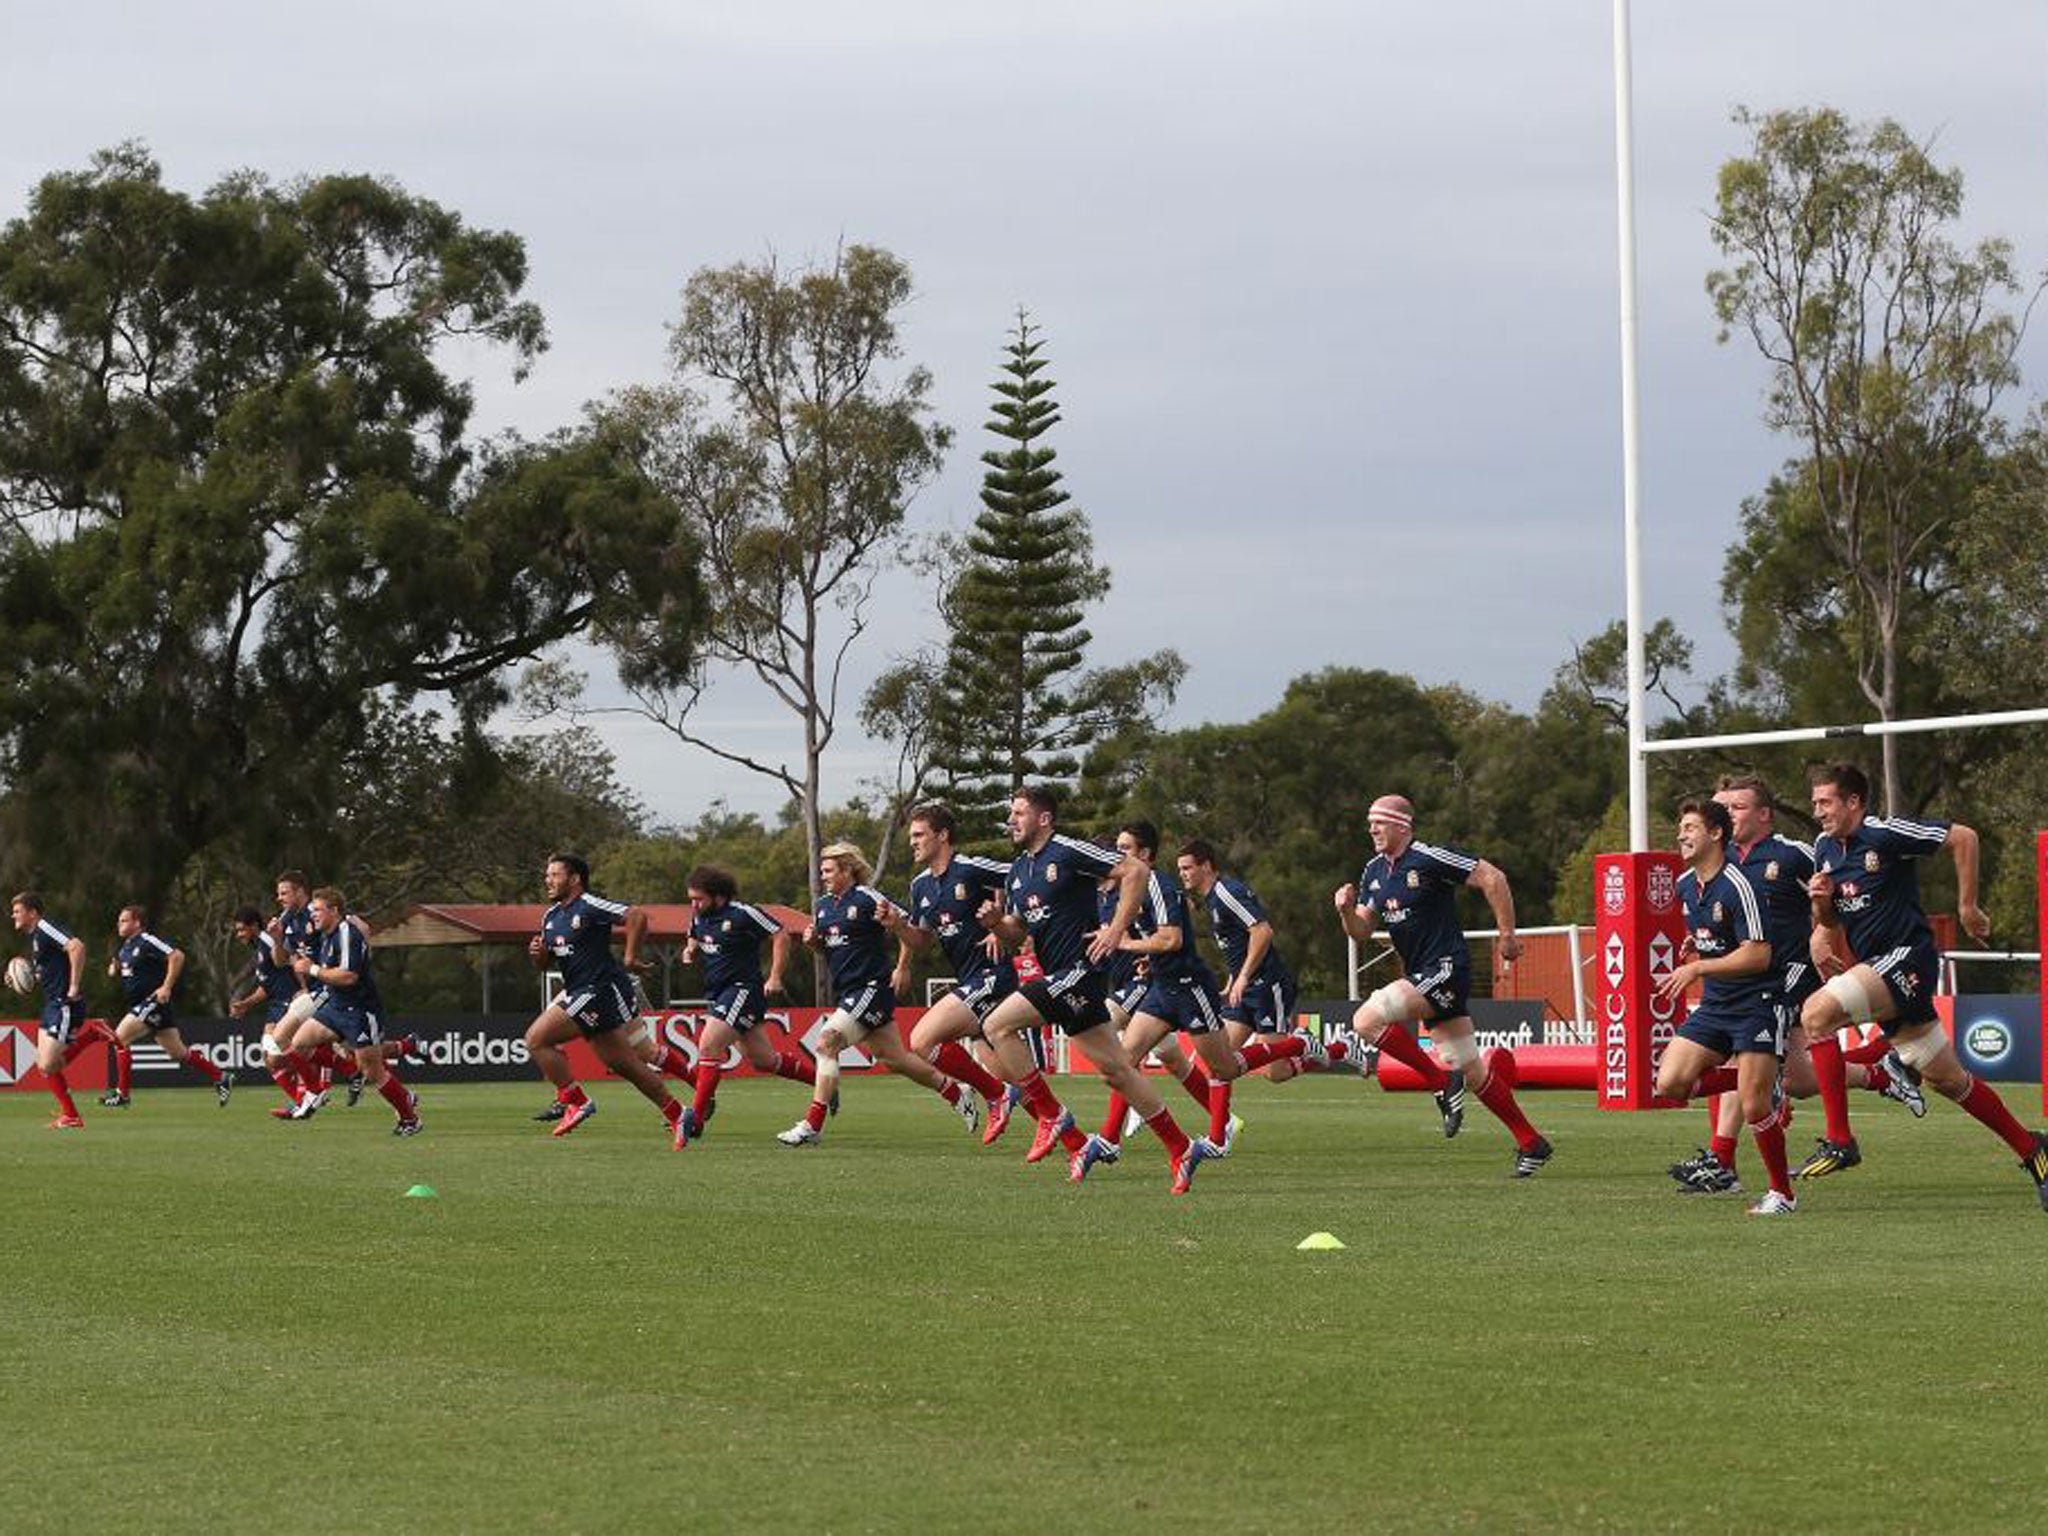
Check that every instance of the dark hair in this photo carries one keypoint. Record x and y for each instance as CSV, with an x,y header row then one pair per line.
x,y
1755,783
712,881
1713,813
1040,797
1144,834
30,899
1846,778
250,916
575,863
293,877
138,911
938,817
1200,849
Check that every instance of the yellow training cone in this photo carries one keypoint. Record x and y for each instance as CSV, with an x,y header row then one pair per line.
x,y
1318,1242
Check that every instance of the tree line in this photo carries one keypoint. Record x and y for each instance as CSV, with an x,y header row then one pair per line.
x,y
266,589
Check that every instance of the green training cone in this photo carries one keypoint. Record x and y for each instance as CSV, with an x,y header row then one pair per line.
x,y
428,1192
1318,1242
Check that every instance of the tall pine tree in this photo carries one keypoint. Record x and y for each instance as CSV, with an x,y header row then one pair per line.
x,y
1017,706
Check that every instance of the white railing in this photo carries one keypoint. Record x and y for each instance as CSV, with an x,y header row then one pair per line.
x,y
1951,957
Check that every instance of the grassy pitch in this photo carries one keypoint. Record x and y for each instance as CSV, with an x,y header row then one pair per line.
x,y
218,1322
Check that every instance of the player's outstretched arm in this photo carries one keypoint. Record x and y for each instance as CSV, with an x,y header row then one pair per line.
x,y
636,931
1492,883
1130,875
1967,847
1358,920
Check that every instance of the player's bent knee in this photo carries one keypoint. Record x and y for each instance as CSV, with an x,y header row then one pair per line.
x,y
1851,998
1459,1053
1396,1003
1924,1049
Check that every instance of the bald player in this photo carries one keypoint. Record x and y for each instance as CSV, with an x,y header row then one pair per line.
x,y
1412,888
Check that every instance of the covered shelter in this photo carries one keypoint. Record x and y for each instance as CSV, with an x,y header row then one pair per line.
x,y
491,928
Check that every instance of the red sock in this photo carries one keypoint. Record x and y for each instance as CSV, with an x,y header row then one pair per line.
x,y
1038,1098
796,1066
1219,1112
956,1061
708,1074
1769,1135
285,1072
397,1095
677,1065
1834,1087
1875,1077
62,1090
1499,1096
573,1094
672,1111
949,1090
1259,1052
1395,1041
1986,1106
1715,1080
1197,1084
814,1116
1164,1127
124,1070
1339,1052
1113,1122
196,1060
1871,1051
1723,1148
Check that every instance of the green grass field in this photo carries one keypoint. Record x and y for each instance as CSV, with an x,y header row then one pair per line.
x,y
218,1322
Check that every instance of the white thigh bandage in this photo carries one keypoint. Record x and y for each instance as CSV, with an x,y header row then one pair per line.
x,y
298,1010
642,1032
850,1029
271,1047
1848,990
1458,1052
1920,1051
1398,1003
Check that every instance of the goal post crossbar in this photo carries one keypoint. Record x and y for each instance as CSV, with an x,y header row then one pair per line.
x,y
1840,732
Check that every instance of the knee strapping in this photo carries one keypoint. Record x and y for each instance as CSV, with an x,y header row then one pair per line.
x,y
1848,990
1458,1052
1922,1050
1396,1003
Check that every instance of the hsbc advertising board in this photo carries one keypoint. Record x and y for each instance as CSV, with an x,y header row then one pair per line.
x,y
1638,930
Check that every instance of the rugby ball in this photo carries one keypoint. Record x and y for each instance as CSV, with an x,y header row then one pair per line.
x,y
20,974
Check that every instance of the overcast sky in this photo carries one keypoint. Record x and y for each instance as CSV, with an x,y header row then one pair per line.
x,y
1329,289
